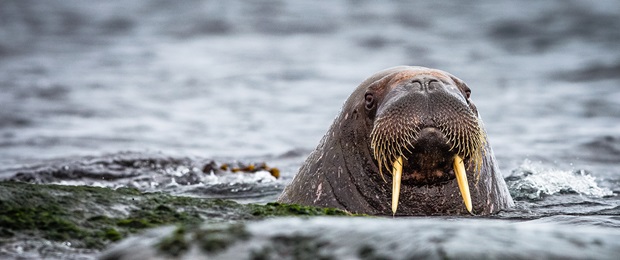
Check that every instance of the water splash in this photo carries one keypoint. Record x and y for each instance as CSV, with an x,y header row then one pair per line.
x,y
533,182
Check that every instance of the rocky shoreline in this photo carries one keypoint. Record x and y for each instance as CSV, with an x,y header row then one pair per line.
x,y
91,218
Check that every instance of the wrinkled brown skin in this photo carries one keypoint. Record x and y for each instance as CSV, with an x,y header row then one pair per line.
x,y
342,172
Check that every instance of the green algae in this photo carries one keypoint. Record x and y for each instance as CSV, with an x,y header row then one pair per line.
x,y
112,234
279,209
298,246
217,239
211,239
176,244
92,217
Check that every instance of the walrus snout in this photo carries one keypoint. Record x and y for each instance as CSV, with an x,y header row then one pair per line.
x,y
415,107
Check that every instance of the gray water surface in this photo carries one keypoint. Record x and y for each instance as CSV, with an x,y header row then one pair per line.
x,y
145,93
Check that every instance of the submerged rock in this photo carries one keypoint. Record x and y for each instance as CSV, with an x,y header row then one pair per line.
x,y
157,172
81,217
373,238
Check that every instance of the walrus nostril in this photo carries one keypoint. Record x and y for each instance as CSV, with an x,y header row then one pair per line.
x,y
433,84
425,84
417,85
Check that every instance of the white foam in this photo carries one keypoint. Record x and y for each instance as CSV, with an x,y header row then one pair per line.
x,y
533,181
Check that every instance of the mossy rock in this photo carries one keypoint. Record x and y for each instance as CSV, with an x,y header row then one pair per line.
x,y
92,217
280,209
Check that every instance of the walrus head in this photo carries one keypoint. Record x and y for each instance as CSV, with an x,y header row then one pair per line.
x,y
419,127
424,130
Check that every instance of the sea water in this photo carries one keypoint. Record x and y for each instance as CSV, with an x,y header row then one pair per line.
x,y
144,94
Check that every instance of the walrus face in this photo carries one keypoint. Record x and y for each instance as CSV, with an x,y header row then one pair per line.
x,y
425,130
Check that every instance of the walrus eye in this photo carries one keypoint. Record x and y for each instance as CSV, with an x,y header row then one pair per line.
x,y
467,95
370,101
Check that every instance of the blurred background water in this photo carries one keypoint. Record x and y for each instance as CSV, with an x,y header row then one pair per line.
x,y
145,93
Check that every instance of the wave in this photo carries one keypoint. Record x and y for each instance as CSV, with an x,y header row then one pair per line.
x,y
532,181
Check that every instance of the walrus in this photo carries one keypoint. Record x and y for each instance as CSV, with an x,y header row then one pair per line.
x,y
408,141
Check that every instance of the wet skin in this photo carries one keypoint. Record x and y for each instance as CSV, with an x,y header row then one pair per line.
x,y
408,141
